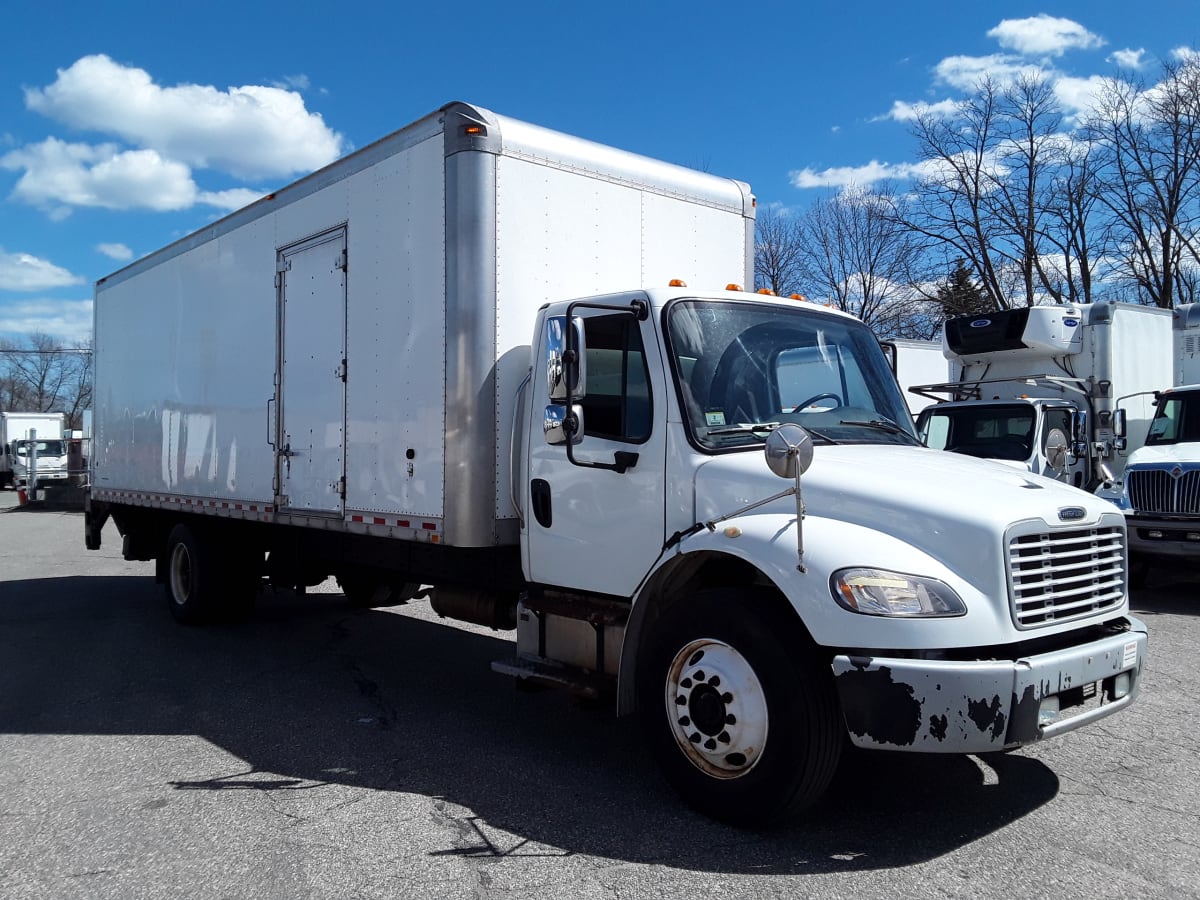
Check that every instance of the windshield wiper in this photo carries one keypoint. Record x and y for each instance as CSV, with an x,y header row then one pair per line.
x,y
883,425
756,429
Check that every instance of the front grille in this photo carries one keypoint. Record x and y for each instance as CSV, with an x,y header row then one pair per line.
x,y
1057,576
1154,490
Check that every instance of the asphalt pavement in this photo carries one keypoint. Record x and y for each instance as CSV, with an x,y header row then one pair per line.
x,y
320,751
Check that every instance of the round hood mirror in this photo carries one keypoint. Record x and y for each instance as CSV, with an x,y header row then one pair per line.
x,y
789,451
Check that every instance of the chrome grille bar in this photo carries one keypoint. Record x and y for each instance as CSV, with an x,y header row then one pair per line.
x,y
1061,575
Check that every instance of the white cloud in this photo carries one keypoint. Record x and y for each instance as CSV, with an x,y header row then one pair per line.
x,y
25,272
966,72
1077,96
59,174
119,252
1128,58
1044,35
847,176
231,199
249,131
68,320
1182,54
903,111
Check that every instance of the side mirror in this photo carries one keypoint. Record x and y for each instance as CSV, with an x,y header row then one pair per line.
x,y
1079,434
789,451
565,357
1056,449
1120,423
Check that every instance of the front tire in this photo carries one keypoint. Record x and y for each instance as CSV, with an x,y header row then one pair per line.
x,y
739,709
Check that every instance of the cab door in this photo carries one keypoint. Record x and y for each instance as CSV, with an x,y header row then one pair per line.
x,y
595,509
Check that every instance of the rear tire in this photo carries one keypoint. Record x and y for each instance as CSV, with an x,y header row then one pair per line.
x,y
739,709
207,580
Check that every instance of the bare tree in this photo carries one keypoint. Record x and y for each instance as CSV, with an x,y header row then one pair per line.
x,y
1149,139
42,375
1010,193
952,198
856,252
777,248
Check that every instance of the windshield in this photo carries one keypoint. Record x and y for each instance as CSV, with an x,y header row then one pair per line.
x,y
745,367
1177,419
44,448
990,432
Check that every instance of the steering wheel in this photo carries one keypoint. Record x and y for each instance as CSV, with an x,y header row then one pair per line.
x,y
811,400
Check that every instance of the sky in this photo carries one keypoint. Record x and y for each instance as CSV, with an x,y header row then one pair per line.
x,y
127,125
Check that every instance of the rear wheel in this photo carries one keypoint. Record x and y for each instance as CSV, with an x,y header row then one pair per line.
x,y
738,709
205,580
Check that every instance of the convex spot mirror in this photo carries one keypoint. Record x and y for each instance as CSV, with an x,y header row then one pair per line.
x,y
558,424
789,451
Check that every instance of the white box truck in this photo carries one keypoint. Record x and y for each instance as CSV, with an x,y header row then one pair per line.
x,y
1037,387
378,374
916,363
1160,490
20,451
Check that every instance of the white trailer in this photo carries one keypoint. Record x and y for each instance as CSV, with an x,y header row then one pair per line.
x,y
378,374
917,363
1160,490
1037,387
19,451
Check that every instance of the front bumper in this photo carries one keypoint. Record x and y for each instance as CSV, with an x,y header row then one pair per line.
x,y
42,477
948,706
1166,538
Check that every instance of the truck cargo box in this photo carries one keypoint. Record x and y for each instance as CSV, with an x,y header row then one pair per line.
x,y
345,352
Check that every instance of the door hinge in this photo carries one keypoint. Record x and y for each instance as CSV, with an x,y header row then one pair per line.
x,y
342,370
339,487
343,262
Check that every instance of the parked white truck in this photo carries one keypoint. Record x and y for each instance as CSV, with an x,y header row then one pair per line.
x,y
916,363
1160,490
1038,386
47,453
375,374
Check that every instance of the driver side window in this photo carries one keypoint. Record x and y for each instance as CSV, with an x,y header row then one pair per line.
x,y
617,405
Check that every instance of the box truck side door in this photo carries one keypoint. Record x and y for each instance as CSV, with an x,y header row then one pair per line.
x,y
311,375
587,525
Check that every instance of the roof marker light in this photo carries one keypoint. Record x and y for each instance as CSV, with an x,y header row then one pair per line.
x,y
677,282
733,287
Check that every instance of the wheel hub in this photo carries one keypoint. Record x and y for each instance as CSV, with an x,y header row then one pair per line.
x,y
716,708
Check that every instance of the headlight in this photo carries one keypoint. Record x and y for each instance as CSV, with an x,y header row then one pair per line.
x,y
875,592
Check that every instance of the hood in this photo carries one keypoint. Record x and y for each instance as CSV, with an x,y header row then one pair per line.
x,y
943,503
1165,455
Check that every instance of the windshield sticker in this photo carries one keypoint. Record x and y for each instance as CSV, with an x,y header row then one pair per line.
x,y
714,419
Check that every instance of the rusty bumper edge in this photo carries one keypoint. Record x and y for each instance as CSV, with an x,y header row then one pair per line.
x,y
946,706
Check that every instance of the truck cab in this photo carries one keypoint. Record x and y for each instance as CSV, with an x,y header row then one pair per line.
x,y
46,459
1160,490
905,598
1035,434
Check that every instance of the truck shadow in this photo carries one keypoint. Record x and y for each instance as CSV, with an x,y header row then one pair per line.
x,y
308,693
1170,588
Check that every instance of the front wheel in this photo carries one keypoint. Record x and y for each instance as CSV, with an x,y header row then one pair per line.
x,y
738,708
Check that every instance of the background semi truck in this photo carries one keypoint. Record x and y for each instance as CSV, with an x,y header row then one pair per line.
x,y
1160,490
705,504
17,452
1038,386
